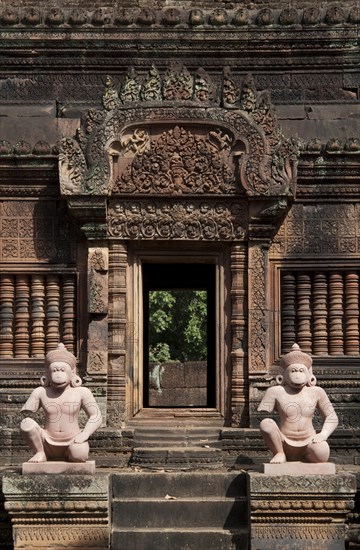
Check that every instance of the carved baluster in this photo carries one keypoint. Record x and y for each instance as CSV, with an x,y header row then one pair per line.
x,y
352,313
7,294
37,316
304,311
52,312
22,316
320,314
288,311
239,381
68,312
336,314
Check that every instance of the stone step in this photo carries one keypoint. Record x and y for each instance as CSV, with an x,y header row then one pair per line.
x,y
182,511
181,457
162,513
181,485
180,539
161,437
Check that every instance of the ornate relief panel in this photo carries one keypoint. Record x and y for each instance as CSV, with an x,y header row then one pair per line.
x,y
238,140
35,231
325,229
177,220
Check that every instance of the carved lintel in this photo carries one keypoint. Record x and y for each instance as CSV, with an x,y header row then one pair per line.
x,y
178,220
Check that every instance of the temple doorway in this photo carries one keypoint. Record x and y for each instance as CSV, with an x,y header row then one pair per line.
x,y
179,330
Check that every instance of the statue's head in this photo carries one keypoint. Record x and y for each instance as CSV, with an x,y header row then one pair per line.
x,y
296,369
60,369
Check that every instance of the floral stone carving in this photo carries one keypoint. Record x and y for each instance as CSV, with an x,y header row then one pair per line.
x,y
179,162
222,221
255,156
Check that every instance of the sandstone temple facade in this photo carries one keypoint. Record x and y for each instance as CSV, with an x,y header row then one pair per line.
x,y
187,144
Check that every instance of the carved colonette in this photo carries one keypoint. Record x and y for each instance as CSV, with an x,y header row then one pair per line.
x,y
178,158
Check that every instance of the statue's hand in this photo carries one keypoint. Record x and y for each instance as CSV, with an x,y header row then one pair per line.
x,y
319,438
80,438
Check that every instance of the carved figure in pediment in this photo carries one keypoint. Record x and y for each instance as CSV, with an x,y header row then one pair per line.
x,y
178,84
111,97
137,143
179,162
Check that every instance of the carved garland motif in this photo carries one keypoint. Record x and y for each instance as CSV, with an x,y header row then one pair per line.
x,y
176,220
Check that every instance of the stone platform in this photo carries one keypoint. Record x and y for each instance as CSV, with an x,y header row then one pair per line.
x,y
58,467
203,510
300,512
299,469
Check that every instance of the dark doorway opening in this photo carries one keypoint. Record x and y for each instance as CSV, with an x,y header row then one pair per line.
x,y
179,335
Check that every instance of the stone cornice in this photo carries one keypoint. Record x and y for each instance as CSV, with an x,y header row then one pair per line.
x,y
309,18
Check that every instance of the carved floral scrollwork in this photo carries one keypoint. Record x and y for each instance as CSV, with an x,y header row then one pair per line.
x,y
266,163
178,163
207,221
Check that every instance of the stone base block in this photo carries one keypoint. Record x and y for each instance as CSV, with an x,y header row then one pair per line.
x,y
54,512
59,467
300,512
299,469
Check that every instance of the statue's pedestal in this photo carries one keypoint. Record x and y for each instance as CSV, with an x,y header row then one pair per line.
x,y
59,467
299,512
299,469
54,512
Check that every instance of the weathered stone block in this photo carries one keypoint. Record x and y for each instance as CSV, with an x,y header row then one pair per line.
x,y
51,512
300,512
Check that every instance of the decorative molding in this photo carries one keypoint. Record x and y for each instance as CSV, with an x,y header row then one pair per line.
x,y
303,508
175,220
290,18
55,510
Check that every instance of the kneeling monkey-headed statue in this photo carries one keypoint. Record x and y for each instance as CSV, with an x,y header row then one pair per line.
x,y
296,398
61,396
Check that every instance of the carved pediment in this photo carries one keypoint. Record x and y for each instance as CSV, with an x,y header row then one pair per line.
x,y
180,134
175,163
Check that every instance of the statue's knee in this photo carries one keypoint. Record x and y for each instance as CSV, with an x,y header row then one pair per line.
x,y
318,452
78,452
28,424
267,425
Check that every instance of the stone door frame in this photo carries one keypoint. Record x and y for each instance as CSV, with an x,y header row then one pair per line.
x,y
184,252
